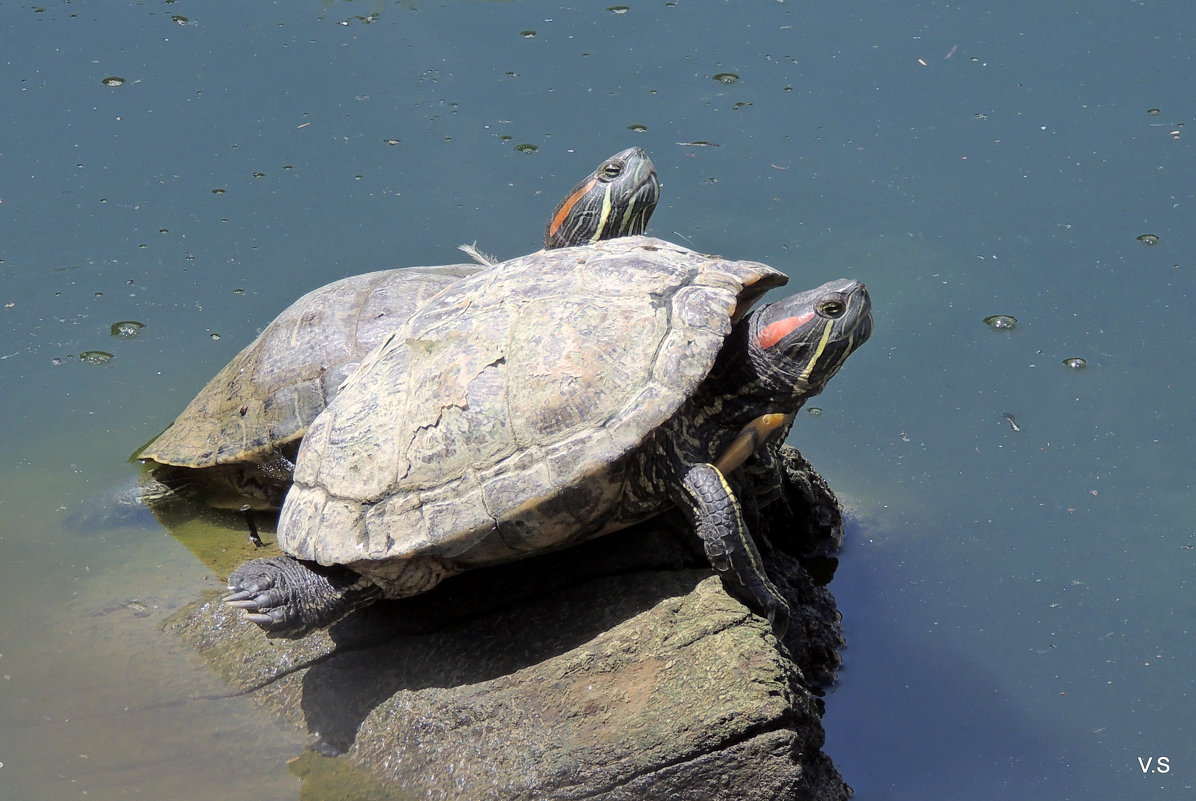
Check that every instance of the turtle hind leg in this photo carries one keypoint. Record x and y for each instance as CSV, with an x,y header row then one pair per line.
x,y
289,598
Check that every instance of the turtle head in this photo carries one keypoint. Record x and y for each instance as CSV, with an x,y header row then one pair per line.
x,y
797,344
614,200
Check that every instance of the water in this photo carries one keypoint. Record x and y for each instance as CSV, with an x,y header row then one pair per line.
x,y
1017,602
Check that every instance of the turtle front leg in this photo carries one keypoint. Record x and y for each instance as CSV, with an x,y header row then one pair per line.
x,y
289,598
718,519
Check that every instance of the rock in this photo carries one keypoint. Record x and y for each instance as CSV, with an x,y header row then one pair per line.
x,y
619,669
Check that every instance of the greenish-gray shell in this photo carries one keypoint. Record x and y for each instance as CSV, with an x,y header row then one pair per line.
x,y
267,396
497,420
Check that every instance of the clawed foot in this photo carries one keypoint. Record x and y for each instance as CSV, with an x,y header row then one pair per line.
x,y
289,598
260,588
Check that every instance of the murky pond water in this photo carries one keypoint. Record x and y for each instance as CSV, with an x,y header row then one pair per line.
x,y
1017,583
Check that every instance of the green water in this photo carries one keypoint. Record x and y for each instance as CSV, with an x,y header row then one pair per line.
x,y
1017,603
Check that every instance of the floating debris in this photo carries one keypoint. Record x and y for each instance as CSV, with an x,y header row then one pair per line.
x,y
526,148
127,329
1012,423
528,34
618,9
637,127
1075,362
1003,322
1149,239
95,357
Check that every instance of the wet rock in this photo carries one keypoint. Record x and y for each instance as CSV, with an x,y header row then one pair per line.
x,y
619,669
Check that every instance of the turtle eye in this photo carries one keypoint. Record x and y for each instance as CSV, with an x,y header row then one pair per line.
x,y
832,307
612,169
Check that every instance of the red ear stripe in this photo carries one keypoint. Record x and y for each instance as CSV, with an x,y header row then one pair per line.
x,y
774,332
566,207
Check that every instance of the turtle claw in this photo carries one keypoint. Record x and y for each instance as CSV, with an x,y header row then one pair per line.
x,y
255,598
778,618
239,598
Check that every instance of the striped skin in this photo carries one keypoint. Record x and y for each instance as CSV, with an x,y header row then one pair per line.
x,y
778,356
615,200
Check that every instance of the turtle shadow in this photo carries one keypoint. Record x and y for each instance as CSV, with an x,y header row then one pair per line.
x,y
490,623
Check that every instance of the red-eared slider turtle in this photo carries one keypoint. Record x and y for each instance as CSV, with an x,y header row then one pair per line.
x,y
557,397
236,440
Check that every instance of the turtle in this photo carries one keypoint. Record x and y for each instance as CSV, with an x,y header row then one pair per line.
x,y
235,443
555,398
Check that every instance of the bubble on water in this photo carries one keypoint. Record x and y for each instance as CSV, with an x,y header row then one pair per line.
x,y
214,336
525,148
95,357
618,9
814,411
219,191
1001,321
127,329
637,127
725,77
113,80
528,34
1149,239
1075,362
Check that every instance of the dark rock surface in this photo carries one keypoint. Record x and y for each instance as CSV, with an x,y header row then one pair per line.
x,y
619,669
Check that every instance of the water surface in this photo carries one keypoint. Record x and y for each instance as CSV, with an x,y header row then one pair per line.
x,y
1017,602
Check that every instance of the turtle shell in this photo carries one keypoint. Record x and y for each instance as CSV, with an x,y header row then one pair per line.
x,y
267,396
497,421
